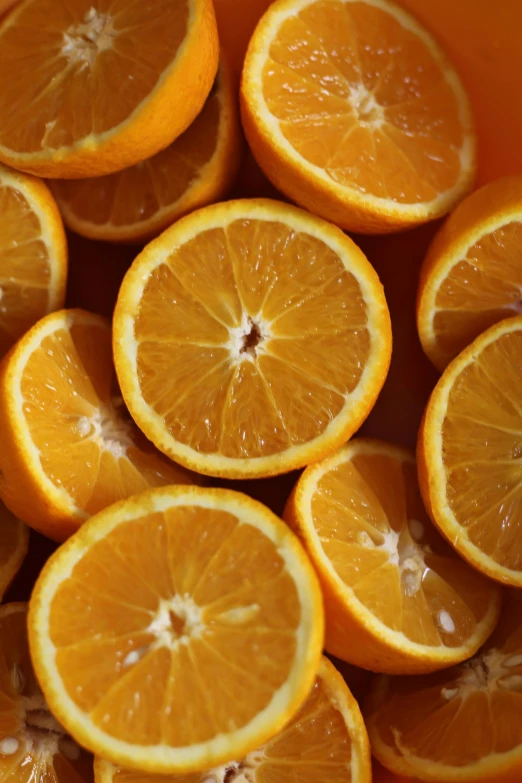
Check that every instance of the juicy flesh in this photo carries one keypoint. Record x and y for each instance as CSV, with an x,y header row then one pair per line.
x,y
180,605
102,58
352,76
11,541
142,192
373,528
33,746
250,337
483,288
462,715
24,268
482,450
316,742
87,443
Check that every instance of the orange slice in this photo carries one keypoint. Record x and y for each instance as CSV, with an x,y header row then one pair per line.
x,y
397,597
68,446
354,112
325,741
469,451
33,255
472,275
14,543
197,169
464,724
250,338
203,636
95,87
33,746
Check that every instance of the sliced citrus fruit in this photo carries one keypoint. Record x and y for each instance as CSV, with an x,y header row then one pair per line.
x,y
472,275
137,203
354,112
68,446
397,597
97,86
14,542
34,748
325,741
469,451
250,338
463,724
203,636
33,255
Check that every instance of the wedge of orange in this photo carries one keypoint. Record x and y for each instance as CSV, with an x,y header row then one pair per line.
x,y
251,338
198,168
203,636
68,446
469,450
33,255
353,111
14,542
472,275
93,87
397,597
325,741
34,748
463,724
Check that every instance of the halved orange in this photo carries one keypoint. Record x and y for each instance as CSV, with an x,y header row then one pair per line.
x,y
325,741
472,275
33,255
250,338
137,203
94,86
397,597
69,448
14,542
353,110
203,636
469,453
463,724
34,748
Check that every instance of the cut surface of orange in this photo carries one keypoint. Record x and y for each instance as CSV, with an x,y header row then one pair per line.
x,y
250,338
34,748
137,203
69,448
95,86
33,255
325,741
354,112
397,597
14,542
469,451
472,275
463,724
203,636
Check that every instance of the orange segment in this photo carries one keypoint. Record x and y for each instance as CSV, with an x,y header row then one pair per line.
x,y
397,597
68,447
98,86
353,111
469,453
14,542
203,636
326,740
472,275
33,255
464,724
250,339
33,745
196,169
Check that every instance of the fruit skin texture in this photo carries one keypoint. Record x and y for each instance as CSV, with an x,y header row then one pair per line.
x,y
485,210
345,207
170,108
